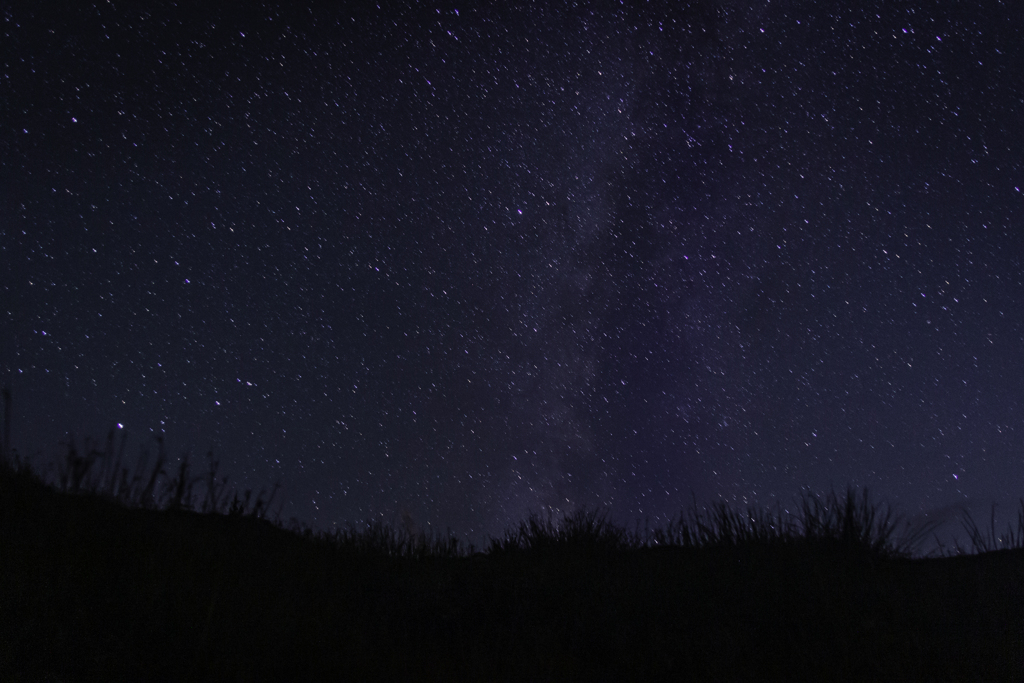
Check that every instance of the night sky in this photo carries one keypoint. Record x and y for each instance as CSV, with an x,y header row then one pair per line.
x,y
471,263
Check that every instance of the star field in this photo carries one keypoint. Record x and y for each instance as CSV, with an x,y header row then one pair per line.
x,y
471,263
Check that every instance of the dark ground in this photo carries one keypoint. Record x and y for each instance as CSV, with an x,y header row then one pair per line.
x,y
91,590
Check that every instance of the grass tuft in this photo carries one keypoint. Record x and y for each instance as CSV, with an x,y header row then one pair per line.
x,y
99,469
378,538
851,522
987,540
588,529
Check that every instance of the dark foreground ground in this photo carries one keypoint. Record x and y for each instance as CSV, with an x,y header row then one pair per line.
x,y
90,590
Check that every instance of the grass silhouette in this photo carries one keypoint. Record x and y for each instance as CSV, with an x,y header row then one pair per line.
x,y
147,573
102,472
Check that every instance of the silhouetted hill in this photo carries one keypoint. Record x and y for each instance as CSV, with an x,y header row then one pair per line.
x,y
92,590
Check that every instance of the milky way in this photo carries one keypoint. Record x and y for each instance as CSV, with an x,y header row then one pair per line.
x,y
464,264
